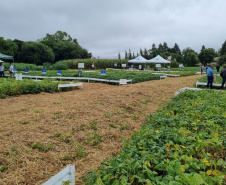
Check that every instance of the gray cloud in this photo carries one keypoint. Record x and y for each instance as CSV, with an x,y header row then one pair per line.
x,y
107,27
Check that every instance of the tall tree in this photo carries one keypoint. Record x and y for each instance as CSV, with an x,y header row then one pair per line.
x,y
145,53
203,47
59,43
223,48
19,44
119,56
36,53
8,47
130,54
187,50
207,55
165,47
153,51
160,48
177,57
153,47
141,52
177,49
222,60
126,55
190,59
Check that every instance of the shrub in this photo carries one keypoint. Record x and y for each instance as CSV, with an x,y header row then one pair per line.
x,y
174,64
222,60
60,66
9,87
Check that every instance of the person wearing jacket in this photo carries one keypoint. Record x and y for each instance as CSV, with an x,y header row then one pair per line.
x,y
223,75
2,69
210,75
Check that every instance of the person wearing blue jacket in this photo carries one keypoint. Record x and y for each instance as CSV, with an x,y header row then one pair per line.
x,y
210,74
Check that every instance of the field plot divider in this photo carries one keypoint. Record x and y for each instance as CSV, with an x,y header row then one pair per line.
x,y
74,78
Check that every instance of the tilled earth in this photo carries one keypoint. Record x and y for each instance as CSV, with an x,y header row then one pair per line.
x,y
81,127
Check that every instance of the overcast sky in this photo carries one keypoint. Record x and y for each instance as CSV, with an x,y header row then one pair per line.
x,y
108,27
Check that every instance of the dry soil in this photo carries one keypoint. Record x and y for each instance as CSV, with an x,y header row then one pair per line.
x,y
83,126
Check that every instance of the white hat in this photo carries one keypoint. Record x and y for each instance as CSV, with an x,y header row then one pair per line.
x,y
1,61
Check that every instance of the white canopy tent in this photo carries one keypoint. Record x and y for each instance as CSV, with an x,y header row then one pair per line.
x,y
158,60
138,60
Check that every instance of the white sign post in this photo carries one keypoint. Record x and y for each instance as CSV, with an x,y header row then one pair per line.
x,y
122,81
124,65
18,76
66,175
158,67
81,65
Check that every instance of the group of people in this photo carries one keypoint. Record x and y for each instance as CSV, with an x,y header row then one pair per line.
x,y
202,68
210,76
2,69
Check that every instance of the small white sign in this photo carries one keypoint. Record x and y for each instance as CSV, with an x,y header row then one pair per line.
x,y
18,76
81,65
158,65
123,65
67,174
122,81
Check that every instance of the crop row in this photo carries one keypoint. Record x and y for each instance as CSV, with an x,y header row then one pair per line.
x,y
10,87
135,76
184,143
218,79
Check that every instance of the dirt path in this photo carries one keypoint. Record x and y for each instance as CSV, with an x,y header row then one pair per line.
x,y
94,120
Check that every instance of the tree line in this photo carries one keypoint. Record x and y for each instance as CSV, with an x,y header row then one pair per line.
x,y
187,56
61,46
51,48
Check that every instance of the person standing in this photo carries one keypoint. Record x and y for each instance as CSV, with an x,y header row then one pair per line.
x,y
11,70
92,66
115,65
202,69
223,75
218,67
210,75
2,69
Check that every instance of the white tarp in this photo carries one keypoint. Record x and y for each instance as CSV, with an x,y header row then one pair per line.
x,y
138,60
67,174
158,59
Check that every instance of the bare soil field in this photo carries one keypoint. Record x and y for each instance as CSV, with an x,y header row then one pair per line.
x,y
80,127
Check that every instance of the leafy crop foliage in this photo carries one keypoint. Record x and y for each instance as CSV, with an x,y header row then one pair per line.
x,y
22,66
183,143
9,87
218,79
111,75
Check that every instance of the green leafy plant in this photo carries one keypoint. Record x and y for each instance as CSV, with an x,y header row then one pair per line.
x,y
41,147
183,143
66,182
93,125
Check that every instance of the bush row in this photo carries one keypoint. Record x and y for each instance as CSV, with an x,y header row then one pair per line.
x,y
9,87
